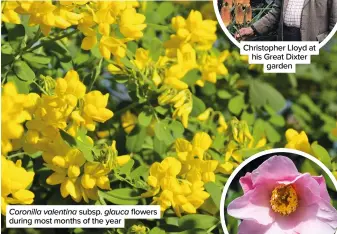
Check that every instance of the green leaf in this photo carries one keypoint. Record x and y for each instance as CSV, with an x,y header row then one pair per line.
x,y
215,193
6,48
23,71
84,145
236,104
249,117
191,231
36,58
6,59
122,196
277,120
159,146
308,102
165,9
21,86
126,62
223,94
157,230
261,93
155,49
198,106
145,118
272,134
139,171
135,139
162,131
191,77
209,89
177,128
310,167
57,49
197,221
16,35
322,154
68,138
126,168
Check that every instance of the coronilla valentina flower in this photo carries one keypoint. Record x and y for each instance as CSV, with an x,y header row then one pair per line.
x,y
279,200
14,182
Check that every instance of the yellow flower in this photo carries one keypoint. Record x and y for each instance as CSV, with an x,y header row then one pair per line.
x,y
240,140
14,182
94,110
129,121
111,45
205,115
182,195
8,13
132,23
142,58
16,109
211,66
298,141
80,178
182,102
222,124
187,151
139,229
66,172
70,85
200,33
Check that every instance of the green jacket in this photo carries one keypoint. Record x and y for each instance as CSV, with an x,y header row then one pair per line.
x,y
318,19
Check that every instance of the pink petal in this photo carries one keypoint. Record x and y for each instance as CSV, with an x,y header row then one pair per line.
x,y
327,213
253,205
273,169
315,226
249,226
307,189
246,182
322,186
302,214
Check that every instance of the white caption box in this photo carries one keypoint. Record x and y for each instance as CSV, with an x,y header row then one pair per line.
x,y
75,216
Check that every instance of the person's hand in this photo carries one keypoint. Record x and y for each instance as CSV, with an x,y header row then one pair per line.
x,y
243,33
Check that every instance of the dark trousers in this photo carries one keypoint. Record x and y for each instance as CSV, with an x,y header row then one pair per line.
x,y
291,34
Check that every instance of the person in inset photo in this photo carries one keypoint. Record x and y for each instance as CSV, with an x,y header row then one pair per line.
x,y
287,20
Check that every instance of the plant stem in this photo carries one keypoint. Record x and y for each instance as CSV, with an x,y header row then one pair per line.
x,y
96,73
132,105
211,228
53,39
15,155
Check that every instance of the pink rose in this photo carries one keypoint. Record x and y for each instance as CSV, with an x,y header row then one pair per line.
x,y
279,200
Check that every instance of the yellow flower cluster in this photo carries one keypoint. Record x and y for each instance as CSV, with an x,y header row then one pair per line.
x,y
44,13
209,114
181,101
68,108
178,182
98,19
139,229
14,182
95,19
240,140
189,45
298,141
67,170
16,109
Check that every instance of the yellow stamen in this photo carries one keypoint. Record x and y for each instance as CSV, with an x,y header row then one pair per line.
x,y
284,199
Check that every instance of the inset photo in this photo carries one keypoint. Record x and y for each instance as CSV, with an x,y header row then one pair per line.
x,y
277,20
280,193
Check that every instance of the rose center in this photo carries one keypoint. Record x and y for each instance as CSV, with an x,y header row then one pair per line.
x,y
284,199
